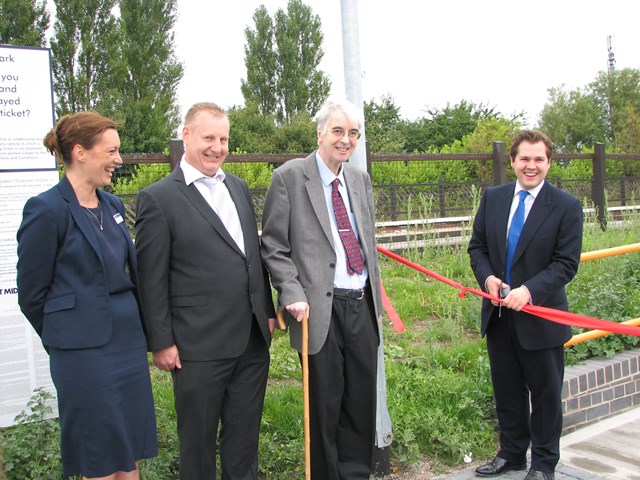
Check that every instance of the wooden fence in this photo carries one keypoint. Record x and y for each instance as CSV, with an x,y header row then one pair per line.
x,y
397,201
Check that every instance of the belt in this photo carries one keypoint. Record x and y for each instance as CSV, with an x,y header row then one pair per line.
x,y
355,294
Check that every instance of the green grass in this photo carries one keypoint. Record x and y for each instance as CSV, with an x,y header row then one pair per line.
x,y
439,389
165,465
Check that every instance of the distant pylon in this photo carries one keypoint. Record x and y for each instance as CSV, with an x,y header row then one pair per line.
x,y
612,57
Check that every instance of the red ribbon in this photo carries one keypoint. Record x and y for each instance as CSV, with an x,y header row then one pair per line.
x,y
398,326
558,316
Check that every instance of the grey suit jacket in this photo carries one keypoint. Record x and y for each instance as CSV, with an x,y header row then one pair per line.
x,y
297,245
198,289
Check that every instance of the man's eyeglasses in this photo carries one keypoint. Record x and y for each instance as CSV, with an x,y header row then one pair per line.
x,y
339,132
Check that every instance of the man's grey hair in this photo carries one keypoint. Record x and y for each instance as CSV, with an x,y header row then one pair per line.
x,y
334,105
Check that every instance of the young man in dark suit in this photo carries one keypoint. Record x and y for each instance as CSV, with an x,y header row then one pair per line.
x,y
525,247
208,300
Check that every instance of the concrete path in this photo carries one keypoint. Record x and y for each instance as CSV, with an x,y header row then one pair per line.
x,y
606,450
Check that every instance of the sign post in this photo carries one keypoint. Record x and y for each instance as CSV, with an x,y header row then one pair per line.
x,y
26,169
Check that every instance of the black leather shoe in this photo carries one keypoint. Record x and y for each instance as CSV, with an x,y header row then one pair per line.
x,y
498,466
538,475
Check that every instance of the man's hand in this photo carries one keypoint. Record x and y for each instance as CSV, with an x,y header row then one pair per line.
x,y
167,359
517,299
493,285
272,324
298,310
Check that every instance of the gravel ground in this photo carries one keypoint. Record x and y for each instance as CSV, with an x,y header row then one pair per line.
x,y
423,471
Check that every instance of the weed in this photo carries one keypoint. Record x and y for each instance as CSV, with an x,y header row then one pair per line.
x,y
30,448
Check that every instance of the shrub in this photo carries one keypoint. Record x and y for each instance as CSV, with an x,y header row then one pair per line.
x,y
31,447
144,175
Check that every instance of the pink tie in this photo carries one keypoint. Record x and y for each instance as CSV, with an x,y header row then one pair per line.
x,y
355,262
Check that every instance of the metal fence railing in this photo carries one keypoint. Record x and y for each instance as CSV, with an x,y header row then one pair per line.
x,y
399,197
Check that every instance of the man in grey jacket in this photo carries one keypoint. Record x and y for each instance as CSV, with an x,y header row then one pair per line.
x,y
318,243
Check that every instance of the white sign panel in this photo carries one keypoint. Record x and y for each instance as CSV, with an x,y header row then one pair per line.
x,y
26,169
26,108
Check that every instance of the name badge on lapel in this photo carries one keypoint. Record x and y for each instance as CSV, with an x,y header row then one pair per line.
x,y
118,218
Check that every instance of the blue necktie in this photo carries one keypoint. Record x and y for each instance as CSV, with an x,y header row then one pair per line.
x,y
517,222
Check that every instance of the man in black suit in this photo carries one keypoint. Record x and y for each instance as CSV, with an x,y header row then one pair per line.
x,y
529,265
208,300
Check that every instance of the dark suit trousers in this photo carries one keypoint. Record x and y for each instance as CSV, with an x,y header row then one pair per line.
x,y
230,391
342,392
527,386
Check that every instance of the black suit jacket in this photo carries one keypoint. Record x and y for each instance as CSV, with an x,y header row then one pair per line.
x,y
62,284
546,258
201,292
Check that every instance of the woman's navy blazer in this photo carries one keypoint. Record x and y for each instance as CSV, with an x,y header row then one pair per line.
x,y
62,283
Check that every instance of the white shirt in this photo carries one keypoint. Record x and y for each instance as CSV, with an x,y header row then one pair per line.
x,y
528,202
195,176
341,279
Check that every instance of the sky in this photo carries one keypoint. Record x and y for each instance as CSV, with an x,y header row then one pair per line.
x,y
504,54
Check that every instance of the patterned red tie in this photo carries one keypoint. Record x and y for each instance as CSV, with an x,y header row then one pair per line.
x,y
355,262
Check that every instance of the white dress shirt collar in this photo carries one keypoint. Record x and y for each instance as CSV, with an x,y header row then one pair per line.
x,y
533,192
326,174
191,173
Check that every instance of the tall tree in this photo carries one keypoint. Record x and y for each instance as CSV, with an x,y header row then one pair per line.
x,y
260,60
613,92
573,119
293,40
84,46
595,113
23,22
148,74
628,138
301,86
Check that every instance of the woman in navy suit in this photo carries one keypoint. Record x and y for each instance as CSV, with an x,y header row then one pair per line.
x,y
77,285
